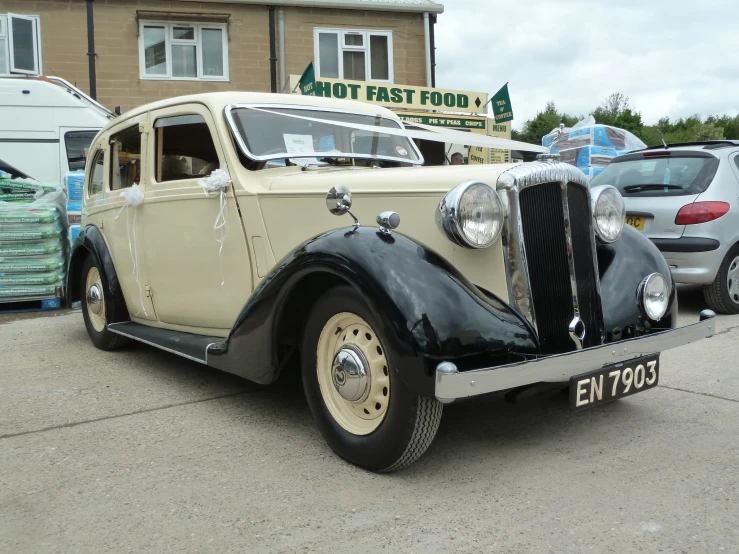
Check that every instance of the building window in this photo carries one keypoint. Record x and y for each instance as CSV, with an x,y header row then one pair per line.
x,y
357,55
20,44
185,51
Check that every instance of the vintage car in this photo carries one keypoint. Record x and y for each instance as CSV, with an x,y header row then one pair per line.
x,y
206,233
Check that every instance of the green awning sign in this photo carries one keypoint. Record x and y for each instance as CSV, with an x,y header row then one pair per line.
x,y
307,82
501,103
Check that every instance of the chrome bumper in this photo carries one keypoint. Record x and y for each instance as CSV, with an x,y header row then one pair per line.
x,y
452,384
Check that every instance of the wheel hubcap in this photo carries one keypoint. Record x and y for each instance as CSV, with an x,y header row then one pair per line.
x,y
732,280
353,373
94,299
350,374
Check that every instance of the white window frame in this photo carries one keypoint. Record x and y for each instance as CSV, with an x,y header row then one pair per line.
x,y
169,41
341,39
7,70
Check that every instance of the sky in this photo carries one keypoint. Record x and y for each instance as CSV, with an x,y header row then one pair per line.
x,y
672,58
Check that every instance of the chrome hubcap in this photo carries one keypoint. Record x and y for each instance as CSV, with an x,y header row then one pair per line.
x,y
94,297
732,280
350,374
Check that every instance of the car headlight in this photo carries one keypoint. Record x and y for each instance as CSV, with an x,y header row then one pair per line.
x,y
609,213
471,215
654,296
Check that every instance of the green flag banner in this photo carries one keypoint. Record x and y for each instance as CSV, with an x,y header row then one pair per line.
x,y
502,105
307,82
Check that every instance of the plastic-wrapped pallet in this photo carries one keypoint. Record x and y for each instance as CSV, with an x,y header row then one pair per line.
x,y
590,146
33,226
74,182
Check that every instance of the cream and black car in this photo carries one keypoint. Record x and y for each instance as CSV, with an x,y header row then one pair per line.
x,y
210,230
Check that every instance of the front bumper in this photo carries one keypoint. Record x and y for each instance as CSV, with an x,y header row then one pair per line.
x,y
452,384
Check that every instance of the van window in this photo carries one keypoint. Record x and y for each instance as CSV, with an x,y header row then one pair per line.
x,y
184,147
77,144
126,163
97,175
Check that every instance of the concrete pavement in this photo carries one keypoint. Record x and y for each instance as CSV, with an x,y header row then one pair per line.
x,y
139,450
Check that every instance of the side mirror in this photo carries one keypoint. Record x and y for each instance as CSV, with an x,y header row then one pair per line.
x,y
339,200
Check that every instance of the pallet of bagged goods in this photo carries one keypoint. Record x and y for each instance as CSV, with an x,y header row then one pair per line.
x,y
33,245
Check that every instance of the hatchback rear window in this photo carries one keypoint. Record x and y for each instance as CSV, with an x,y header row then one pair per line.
x,y
654,173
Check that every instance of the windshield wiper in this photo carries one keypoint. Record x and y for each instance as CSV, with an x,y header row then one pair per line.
x,y
634,188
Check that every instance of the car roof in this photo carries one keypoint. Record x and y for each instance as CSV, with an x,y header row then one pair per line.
x,y
698,145
217,101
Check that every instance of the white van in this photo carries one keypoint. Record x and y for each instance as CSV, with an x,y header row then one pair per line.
x,y
46,126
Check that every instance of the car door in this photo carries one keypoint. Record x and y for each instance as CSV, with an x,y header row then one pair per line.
x,y
120,160
197,282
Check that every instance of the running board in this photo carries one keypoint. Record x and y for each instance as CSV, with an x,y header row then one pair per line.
x,y
188,345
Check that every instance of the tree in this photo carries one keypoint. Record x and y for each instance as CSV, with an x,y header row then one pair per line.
x,y
616,111
534,129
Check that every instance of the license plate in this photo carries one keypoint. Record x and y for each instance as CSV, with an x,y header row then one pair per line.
x,y
636,221
614,381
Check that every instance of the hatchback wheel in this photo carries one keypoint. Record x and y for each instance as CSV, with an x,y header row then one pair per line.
x,y
363,409
722,295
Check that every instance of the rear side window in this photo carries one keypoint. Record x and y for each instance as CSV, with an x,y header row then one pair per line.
x,y
125,169
77,144
676,174
184,148
97,175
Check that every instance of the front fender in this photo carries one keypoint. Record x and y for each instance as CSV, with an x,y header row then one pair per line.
x,y
427,311
90,242
623,265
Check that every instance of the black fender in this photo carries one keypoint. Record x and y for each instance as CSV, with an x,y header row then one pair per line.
x,y
623,265
90,242
427,311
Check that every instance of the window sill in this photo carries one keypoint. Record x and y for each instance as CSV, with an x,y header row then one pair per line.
x,y
189,79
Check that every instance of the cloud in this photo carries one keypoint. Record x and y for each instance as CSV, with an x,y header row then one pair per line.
x,y
673,58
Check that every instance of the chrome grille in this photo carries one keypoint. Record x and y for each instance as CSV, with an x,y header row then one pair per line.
x,y
550,253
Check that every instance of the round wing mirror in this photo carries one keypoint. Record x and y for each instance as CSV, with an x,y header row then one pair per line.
x,y
339,200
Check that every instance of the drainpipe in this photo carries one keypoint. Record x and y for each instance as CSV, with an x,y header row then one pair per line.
x,y
433,50
272,53
91,50
281,29
427,37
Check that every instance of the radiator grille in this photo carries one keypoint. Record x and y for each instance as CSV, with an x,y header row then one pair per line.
x,y
545,242
588,297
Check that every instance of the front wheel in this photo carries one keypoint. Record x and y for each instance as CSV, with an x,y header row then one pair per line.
x,y
722,295
364,411
96,311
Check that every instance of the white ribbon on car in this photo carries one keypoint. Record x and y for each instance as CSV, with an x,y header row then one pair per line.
x,y
134,197
217,183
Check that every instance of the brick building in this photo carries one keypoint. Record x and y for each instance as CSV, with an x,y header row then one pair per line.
x,y
151,49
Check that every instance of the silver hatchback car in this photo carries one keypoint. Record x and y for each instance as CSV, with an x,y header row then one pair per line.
x,y
685,198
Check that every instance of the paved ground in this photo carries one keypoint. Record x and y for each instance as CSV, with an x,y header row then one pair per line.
x,y
141,451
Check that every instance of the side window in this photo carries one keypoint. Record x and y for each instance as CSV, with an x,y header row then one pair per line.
x,y
184,148
77,144
97,175
125,169
736,160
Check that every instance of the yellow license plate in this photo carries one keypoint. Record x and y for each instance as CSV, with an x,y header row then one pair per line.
x,y
636,221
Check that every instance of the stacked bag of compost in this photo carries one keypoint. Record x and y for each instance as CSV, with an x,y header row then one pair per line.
x,y
33,246
74,181
590,146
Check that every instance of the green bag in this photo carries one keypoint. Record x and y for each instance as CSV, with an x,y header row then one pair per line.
x,y
18,291
28,215
49,278
17,185
17,196
26,265
39,248
13,233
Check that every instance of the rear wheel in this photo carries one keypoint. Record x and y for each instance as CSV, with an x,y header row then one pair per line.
x,y
363,409
96,311
722,295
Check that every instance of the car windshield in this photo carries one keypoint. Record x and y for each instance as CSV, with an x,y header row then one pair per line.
x,y
269,133
659,174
